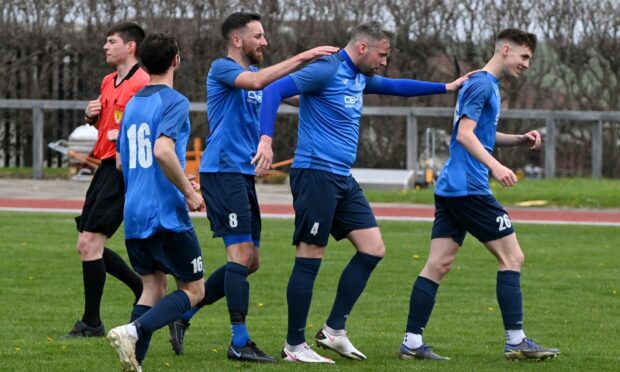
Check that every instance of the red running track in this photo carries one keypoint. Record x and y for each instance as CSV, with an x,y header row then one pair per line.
x,y
383,211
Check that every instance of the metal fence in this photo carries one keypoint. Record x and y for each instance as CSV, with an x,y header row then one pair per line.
x,y
593,119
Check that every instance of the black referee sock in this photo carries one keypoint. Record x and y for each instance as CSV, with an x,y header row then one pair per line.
x,y
116,266
93,273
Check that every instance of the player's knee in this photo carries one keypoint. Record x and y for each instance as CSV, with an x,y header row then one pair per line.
x,y
516,260
241,254
377,249
196,291
443,270
439,268
82,246
254,265
152,294
380,250
88,248
245,260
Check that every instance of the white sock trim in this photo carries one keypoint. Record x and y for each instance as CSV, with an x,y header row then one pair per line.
x,y
334,332
514,336
132,330
412,340
294,348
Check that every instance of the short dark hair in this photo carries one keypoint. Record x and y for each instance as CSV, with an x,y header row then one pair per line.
x,y
157,52
236,21
128,31
373,30
518,37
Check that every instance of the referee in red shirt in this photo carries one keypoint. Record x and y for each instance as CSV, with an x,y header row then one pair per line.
x,y
103,209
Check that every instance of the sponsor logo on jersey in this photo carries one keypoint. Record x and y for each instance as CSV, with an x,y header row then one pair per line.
x,y
351,101
255,97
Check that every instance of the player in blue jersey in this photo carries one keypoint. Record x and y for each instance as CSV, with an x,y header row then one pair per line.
x,y
326,198
234,97
159,235
464,202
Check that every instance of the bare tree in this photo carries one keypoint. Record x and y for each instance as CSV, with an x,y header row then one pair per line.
x,y
52,49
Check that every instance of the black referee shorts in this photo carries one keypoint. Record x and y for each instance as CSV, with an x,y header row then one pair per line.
x,y
105,199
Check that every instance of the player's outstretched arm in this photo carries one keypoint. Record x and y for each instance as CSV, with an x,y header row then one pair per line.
x,y
402,87
272,96
410,87
169,163
466,137
532,139
260,79
456,84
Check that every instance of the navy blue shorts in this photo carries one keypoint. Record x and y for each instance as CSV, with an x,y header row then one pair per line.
x,y
232,205
326,203
172,253
480,215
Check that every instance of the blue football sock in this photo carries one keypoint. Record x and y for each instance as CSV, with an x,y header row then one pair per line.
x,y
214,287
299,296
351,285
188,315
421,304
237,298
214,290
510,299
240,336
169,309
142,345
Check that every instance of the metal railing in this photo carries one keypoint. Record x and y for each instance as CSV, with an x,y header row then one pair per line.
x,y
551,118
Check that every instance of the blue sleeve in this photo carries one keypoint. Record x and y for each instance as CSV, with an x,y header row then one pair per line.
x,y
315,76
402,87
172,118
272,96
225,71
120,137
472,100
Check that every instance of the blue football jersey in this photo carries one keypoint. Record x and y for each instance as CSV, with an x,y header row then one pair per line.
x,y
233,120
331,100
152,202
463,174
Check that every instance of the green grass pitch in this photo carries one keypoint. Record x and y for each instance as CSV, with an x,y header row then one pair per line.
x,y
571,286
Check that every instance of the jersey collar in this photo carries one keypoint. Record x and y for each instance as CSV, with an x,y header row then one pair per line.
x,y
128,76
348,60
491,76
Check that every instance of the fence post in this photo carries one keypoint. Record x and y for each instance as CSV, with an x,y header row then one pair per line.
x,y
37,142
550,147
597,149
412,142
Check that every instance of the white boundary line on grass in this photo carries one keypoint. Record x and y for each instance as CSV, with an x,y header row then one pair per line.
x,y
281,216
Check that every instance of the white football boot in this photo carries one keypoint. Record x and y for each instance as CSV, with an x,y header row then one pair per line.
x,y
125,345
303,354
338,342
